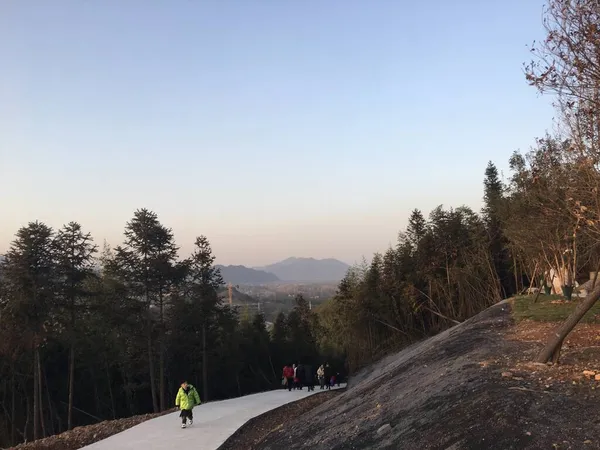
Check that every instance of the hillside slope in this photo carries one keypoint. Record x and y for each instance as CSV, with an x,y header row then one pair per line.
x,y
453,391
236,296
245,275
308,269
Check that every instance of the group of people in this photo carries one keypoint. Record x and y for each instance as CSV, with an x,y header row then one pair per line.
x,y
297,376
294,377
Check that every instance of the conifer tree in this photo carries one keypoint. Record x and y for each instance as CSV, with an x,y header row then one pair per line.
x,y
498,244
136,263
205,280
74,253
30,283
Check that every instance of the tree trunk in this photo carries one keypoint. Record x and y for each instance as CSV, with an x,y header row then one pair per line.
x,y
110,390
151,368
40,392
52,430
96,395
71,384
515,274
554,344
127,388
161,360
204,364
27,410
161,374
13,407
36,397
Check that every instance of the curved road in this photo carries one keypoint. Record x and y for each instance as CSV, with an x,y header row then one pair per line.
x,y
214,422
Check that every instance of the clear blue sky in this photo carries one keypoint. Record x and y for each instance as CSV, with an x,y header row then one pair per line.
x,y
276,128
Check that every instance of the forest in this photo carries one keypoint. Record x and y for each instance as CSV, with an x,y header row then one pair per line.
x,y
89,334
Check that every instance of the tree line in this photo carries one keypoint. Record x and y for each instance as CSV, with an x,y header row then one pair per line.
x,y
444,269
89,334
538,228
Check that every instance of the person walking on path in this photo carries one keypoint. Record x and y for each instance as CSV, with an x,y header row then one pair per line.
x,y
327,376
288,374
309,377
186,399
300,376
321,375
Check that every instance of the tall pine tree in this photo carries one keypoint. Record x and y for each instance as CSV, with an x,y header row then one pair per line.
x,y
205,280
74,252
136,263
493,197
29,275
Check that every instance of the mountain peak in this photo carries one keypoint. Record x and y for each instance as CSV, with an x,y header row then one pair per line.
x,y
245,275
308,269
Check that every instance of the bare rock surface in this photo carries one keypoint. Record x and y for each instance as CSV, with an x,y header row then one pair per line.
x,y
453,391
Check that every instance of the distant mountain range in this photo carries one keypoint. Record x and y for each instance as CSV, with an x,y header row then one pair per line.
x,y
245,275
308,269
292,269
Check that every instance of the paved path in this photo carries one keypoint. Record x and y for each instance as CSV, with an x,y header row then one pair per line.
x,y
213,423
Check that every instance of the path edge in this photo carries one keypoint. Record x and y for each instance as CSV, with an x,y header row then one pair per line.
x,y
250,422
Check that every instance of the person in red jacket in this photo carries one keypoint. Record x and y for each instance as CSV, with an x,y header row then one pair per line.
x,y
288,374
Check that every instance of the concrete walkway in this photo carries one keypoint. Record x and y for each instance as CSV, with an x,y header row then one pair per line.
x,y
214,423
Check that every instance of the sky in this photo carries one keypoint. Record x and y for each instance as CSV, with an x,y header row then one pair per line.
x,y
276,128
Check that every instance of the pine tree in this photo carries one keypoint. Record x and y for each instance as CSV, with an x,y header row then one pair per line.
x,y
166,273
279,339
74,256
136,264
30,285
416,229
205,281
302,340
492,214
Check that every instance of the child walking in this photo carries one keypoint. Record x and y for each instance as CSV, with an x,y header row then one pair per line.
x,y
186,399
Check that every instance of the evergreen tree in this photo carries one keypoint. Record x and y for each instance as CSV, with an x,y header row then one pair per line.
x,y
279,337
498,245
416,229
74,257
136,263
301,337
205,281
30,283
166,274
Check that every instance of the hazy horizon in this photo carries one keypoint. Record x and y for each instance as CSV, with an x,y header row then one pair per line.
x,y
275,129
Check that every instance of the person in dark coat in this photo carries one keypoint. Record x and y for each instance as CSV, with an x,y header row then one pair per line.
x,y
309,377
300,375
327,376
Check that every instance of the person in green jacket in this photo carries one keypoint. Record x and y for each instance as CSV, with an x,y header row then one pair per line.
x,y
186,399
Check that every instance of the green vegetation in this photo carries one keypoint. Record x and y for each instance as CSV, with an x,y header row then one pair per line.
x,y
550,308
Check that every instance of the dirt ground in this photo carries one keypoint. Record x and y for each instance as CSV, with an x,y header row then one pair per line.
x,y
471,387
81,436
